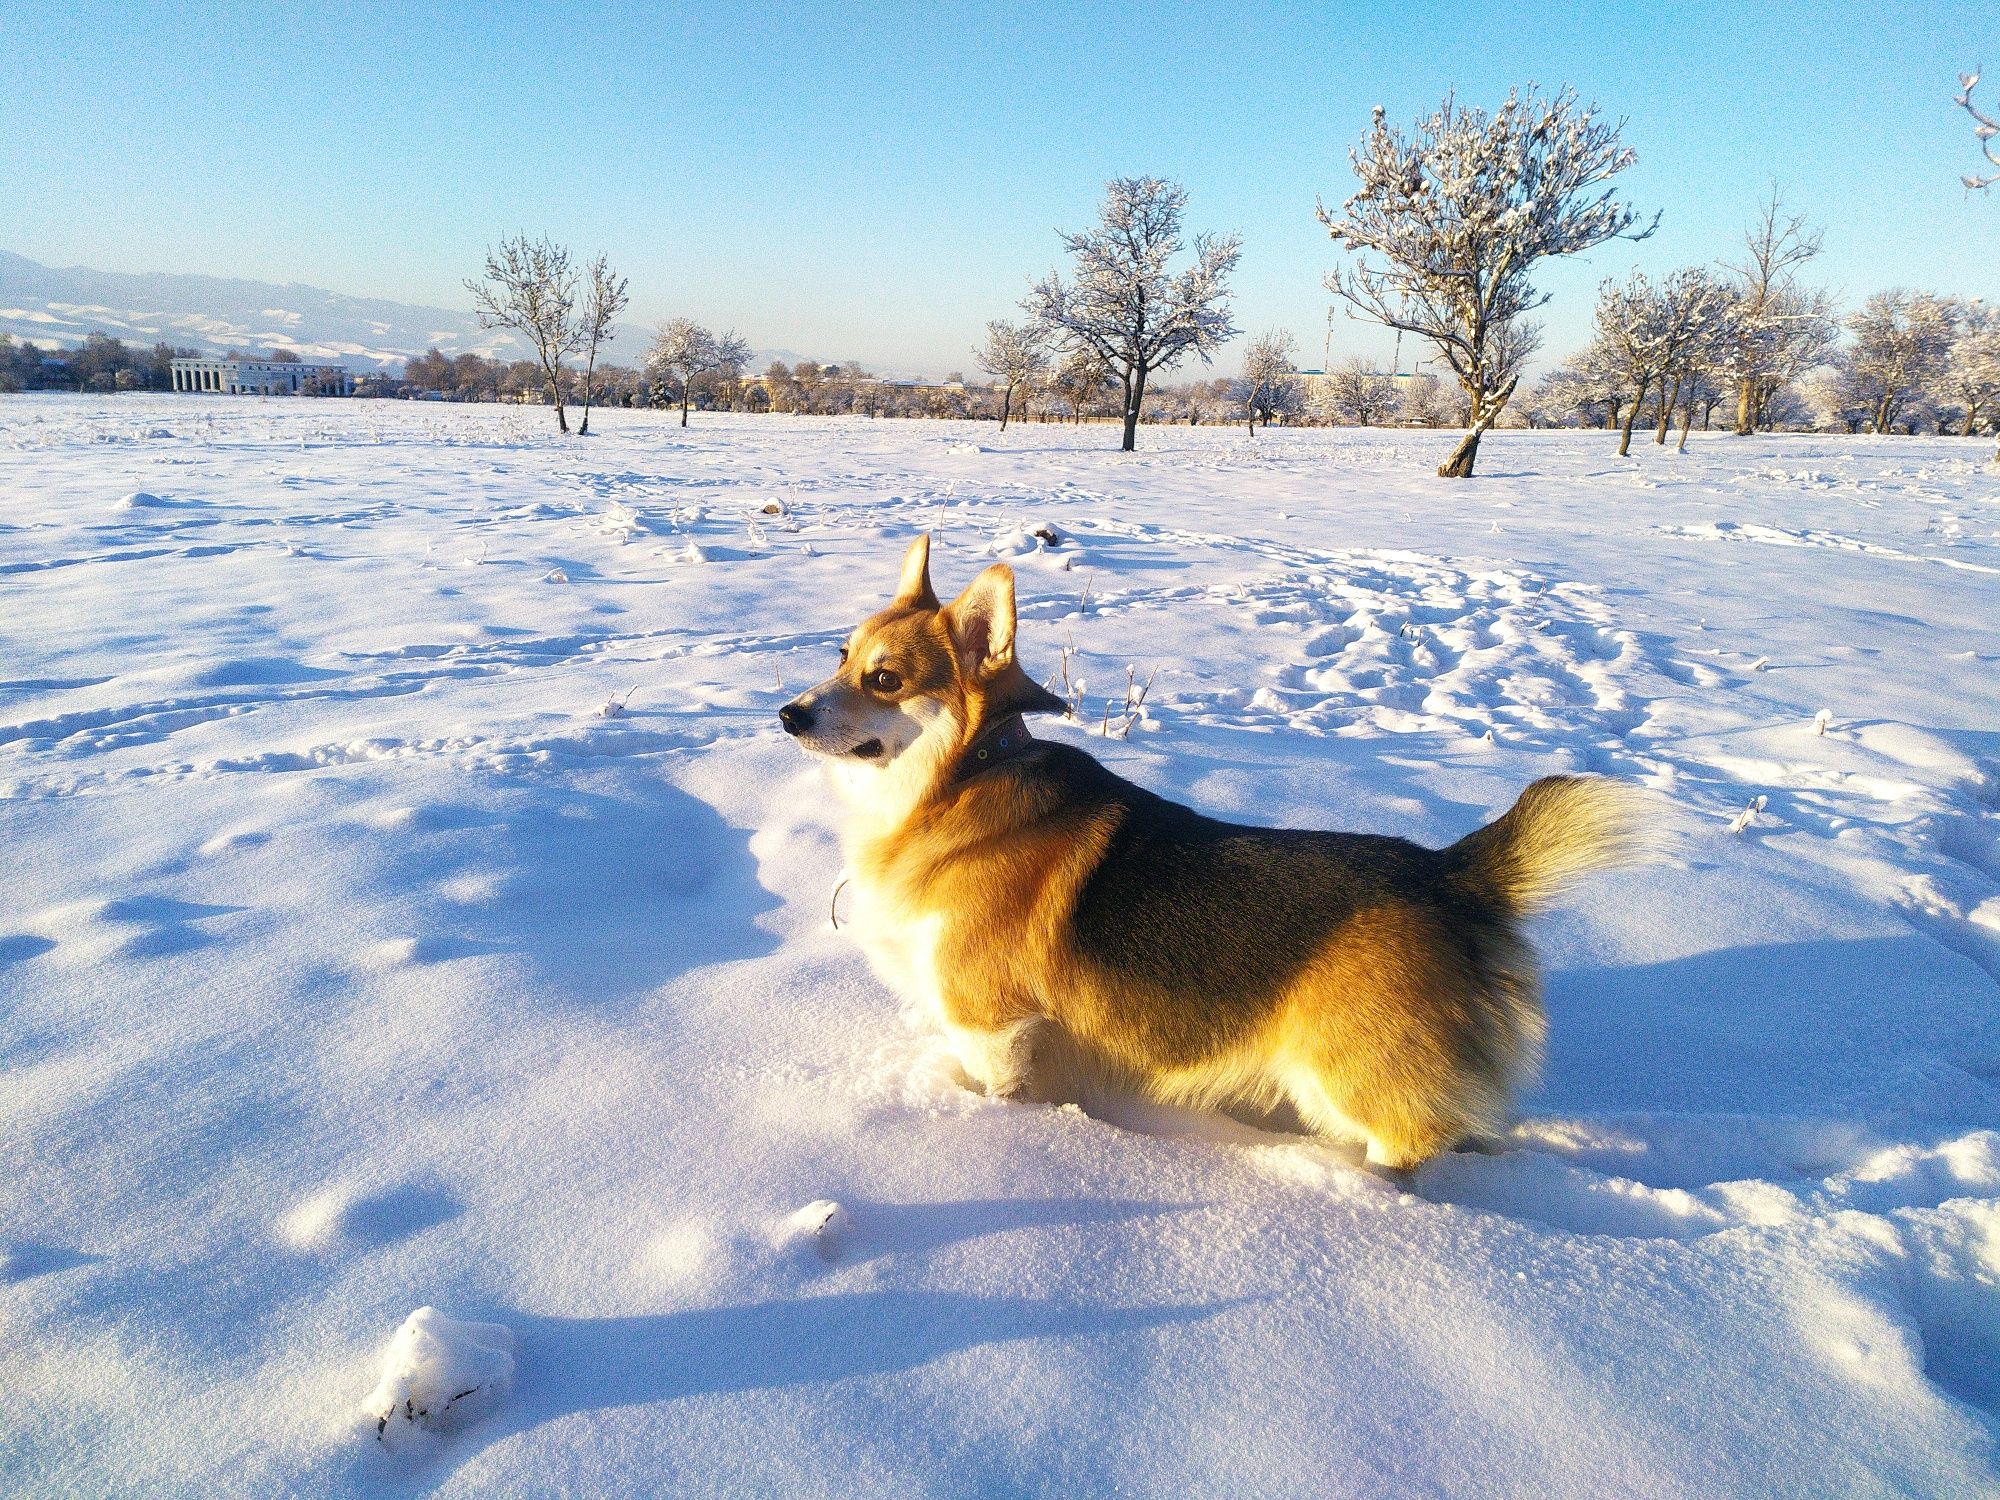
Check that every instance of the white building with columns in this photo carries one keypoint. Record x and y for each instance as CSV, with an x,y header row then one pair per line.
x,y
260,377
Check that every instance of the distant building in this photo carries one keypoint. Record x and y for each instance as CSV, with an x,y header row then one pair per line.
x,y
1319,383
261,377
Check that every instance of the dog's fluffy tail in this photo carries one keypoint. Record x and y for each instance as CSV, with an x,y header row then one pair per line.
x,y
1562,828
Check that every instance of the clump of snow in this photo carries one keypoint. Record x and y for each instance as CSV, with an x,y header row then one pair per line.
x,y
1750,812
438,1375
817,1230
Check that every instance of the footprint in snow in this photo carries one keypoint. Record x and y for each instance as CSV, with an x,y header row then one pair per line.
x,y
346,1216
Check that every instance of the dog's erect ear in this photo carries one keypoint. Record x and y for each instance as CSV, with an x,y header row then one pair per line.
x,y
913,589
981,621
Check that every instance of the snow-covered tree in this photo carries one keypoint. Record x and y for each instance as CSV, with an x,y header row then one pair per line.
x,y
1013,355
1359,395
1985,130
530,287
1193,400
1834,399
1449,223
1126,305
1581,390
1971,376
1657,337
604,298
1697,314
1270,377
1780,329
1902,340
1422,402
1081,380
1552,401
1630,344
683,351
1701,391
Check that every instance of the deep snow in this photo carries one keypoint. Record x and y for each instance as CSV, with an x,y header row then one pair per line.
x,y
355,957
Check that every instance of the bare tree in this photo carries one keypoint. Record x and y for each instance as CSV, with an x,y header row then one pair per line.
x,y
1656,336
1630,344
1972,373
1459,213
1902,341
1780,329
604,298
1080,379
1012,354
683,351
1125,305
1421,402
1267,368
1580,391
530,287
1984,128
1695,317
1361,395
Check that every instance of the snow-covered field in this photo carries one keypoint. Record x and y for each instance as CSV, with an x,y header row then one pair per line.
x,y
353,960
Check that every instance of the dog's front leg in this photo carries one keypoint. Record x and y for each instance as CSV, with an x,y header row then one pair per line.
x,y
996,1059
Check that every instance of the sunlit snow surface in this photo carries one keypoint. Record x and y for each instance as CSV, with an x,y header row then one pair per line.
x,y
354,958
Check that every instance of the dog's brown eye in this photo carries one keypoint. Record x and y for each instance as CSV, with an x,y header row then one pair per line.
x,y
884,681
843,656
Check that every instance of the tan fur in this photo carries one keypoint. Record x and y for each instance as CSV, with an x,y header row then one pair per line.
x,y
1561,829
1390,1034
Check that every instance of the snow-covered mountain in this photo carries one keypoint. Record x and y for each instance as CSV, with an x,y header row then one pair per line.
x,y
53,305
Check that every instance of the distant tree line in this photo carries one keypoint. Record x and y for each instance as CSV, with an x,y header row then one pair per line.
x,y
1448,223
1748,341
100,363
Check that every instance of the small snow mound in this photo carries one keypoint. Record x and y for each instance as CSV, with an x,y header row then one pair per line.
x,y
963,448
1023,541
439,1375
142,500
816,1229
691,553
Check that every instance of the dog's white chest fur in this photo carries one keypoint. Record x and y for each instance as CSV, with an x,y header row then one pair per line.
x,y
901,947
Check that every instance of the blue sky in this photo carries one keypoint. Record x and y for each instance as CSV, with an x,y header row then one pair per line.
x,y
876,181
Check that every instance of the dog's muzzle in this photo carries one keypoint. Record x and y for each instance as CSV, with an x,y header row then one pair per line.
x,y
796,720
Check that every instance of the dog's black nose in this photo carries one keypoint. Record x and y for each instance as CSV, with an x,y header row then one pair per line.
x,y
795,719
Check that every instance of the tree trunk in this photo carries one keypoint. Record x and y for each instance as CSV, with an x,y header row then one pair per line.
x,y
1625,427
1135,392
1612,408
1971,415
1667,405
684,402
1459,465
1746,407
1006,406
590,369
1687,421
1883,411
556,395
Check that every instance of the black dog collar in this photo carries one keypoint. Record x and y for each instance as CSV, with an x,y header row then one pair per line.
x,y
998,742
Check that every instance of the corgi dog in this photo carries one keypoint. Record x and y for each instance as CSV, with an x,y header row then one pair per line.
x,y
1010,886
